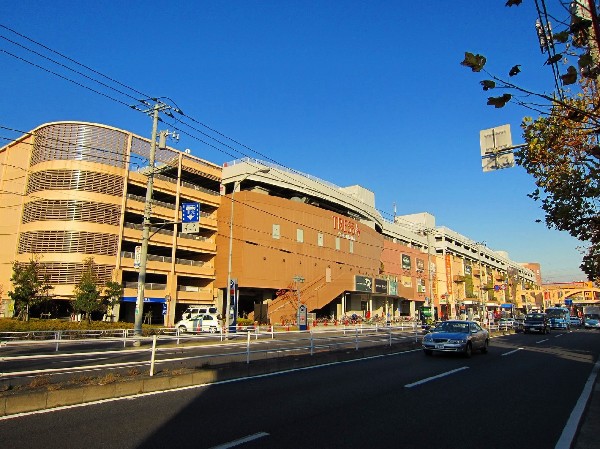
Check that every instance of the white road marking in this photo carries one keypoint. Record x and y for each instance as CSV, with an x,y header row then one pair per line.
x,y
512,352
541,341
447,373
240,441
568,433
199,386
559,335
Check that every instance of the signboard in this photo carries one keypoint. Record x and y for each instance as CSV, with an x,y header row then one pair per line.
x,y
302,317
233,288
138,257
496,148
190,218
363,284
448,273
405,262
393,288
381,286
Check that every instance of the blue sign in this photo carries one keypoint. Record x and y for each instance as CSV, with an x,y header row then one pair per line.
x,y
190,212
233,287
568,302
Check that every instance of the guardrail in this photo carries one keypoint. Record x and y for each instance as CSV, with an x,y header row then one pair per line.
x,y
255,344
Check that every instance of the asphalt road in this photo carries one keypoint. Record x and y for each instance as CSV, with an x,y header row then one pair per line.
x,y
520,394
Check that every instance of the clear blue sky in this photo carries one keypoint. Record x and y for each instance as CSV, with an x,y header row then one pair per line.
x,y
353,92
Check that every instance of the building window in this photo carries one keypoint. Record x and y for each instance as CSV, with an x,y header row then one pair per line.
x,y
351,247
276,231
338,243
320,239
300,235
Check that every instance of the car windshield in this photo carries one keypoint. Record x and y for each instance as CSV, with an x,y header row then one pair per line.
x,y
453,326
535,316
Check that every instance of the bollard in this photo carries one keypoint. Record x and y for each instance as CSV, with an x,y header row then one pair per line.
x,y
153,355
312,344
57,335
248,349
356,337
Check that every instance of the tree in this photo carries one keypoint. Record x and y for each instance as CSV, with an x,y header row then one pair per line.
x,y
561,148
87,294
112,295
30,286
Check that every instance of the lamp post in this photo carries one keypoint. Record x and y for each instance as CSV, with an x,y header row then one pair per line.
x,y
236,185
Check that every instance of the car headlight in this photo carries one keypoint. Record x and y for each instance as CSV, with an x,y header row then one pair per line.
x,y
428,338
457,342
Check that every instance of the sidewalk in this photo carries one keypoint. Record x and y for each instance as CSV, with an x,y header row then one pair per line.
x,y
588,434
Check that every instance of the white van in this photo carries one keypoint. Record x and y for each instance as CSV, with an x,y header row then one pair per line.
x,y
193,311
199,323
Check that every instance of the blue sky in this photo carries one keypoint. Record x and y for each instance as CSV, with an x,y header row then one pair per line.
x,y
353,92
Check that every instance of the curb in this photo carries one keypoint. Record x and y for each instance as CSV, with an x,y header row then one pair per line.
x,y
13,403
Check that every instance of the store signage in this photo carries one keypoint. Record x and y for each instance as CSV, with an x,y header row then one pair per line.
x,y
347,227
405,262
363,284
449,274
393,287
381,286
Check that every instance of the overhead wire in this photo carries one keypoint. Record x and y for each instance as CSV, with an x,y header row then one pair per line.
x,y
410,224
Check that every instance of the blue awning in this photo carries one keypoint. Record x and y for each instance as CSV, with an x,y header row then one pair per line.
x,y
134,299
507,306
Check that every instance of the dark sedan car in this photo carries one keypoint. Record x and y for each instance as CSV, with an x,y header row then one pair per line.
x,y
536,322
456,336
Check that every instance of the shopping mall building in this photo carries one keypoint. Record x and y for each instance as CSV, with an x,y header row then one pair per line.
x,y
73,191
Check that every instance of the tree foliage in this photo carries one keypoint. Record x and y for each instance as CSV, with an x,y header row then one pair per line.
x,y
112,295
87,293
561,150
30,286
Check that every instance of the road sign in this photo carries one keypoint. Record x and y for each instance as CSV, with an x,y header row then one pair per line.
x,y
190,218
496,148
138,257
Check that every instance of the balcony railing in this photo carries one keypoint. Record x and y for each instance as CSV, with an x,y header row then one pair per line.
x,y
155,202
166,259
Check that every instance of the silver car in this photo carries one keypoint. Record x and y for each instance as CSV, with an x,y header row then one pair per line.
x,y
457,336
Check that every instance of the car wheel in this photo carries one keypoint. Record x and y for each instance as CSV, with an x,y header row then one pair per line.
x,y
213,330
182,329
428,351
468,350
484,349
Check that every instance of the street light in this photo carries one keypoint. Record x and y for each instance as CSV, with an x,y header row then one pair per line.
x,y
236,185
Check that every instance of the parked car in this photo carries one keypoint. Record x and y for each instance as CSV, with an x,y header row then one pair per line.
x,y
192,311
519,323
456,336
199,323
536,322
575,320
506,323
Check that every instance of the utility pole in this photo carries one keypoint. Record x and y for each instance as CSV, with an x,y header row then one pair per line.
x,y
139,305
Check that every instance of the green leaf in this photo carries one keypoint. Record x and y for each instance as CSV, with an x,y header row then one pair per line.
x,y
554,59
585,60
499,102
570,77
487,84
474,62
580,24
515,70
561,37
